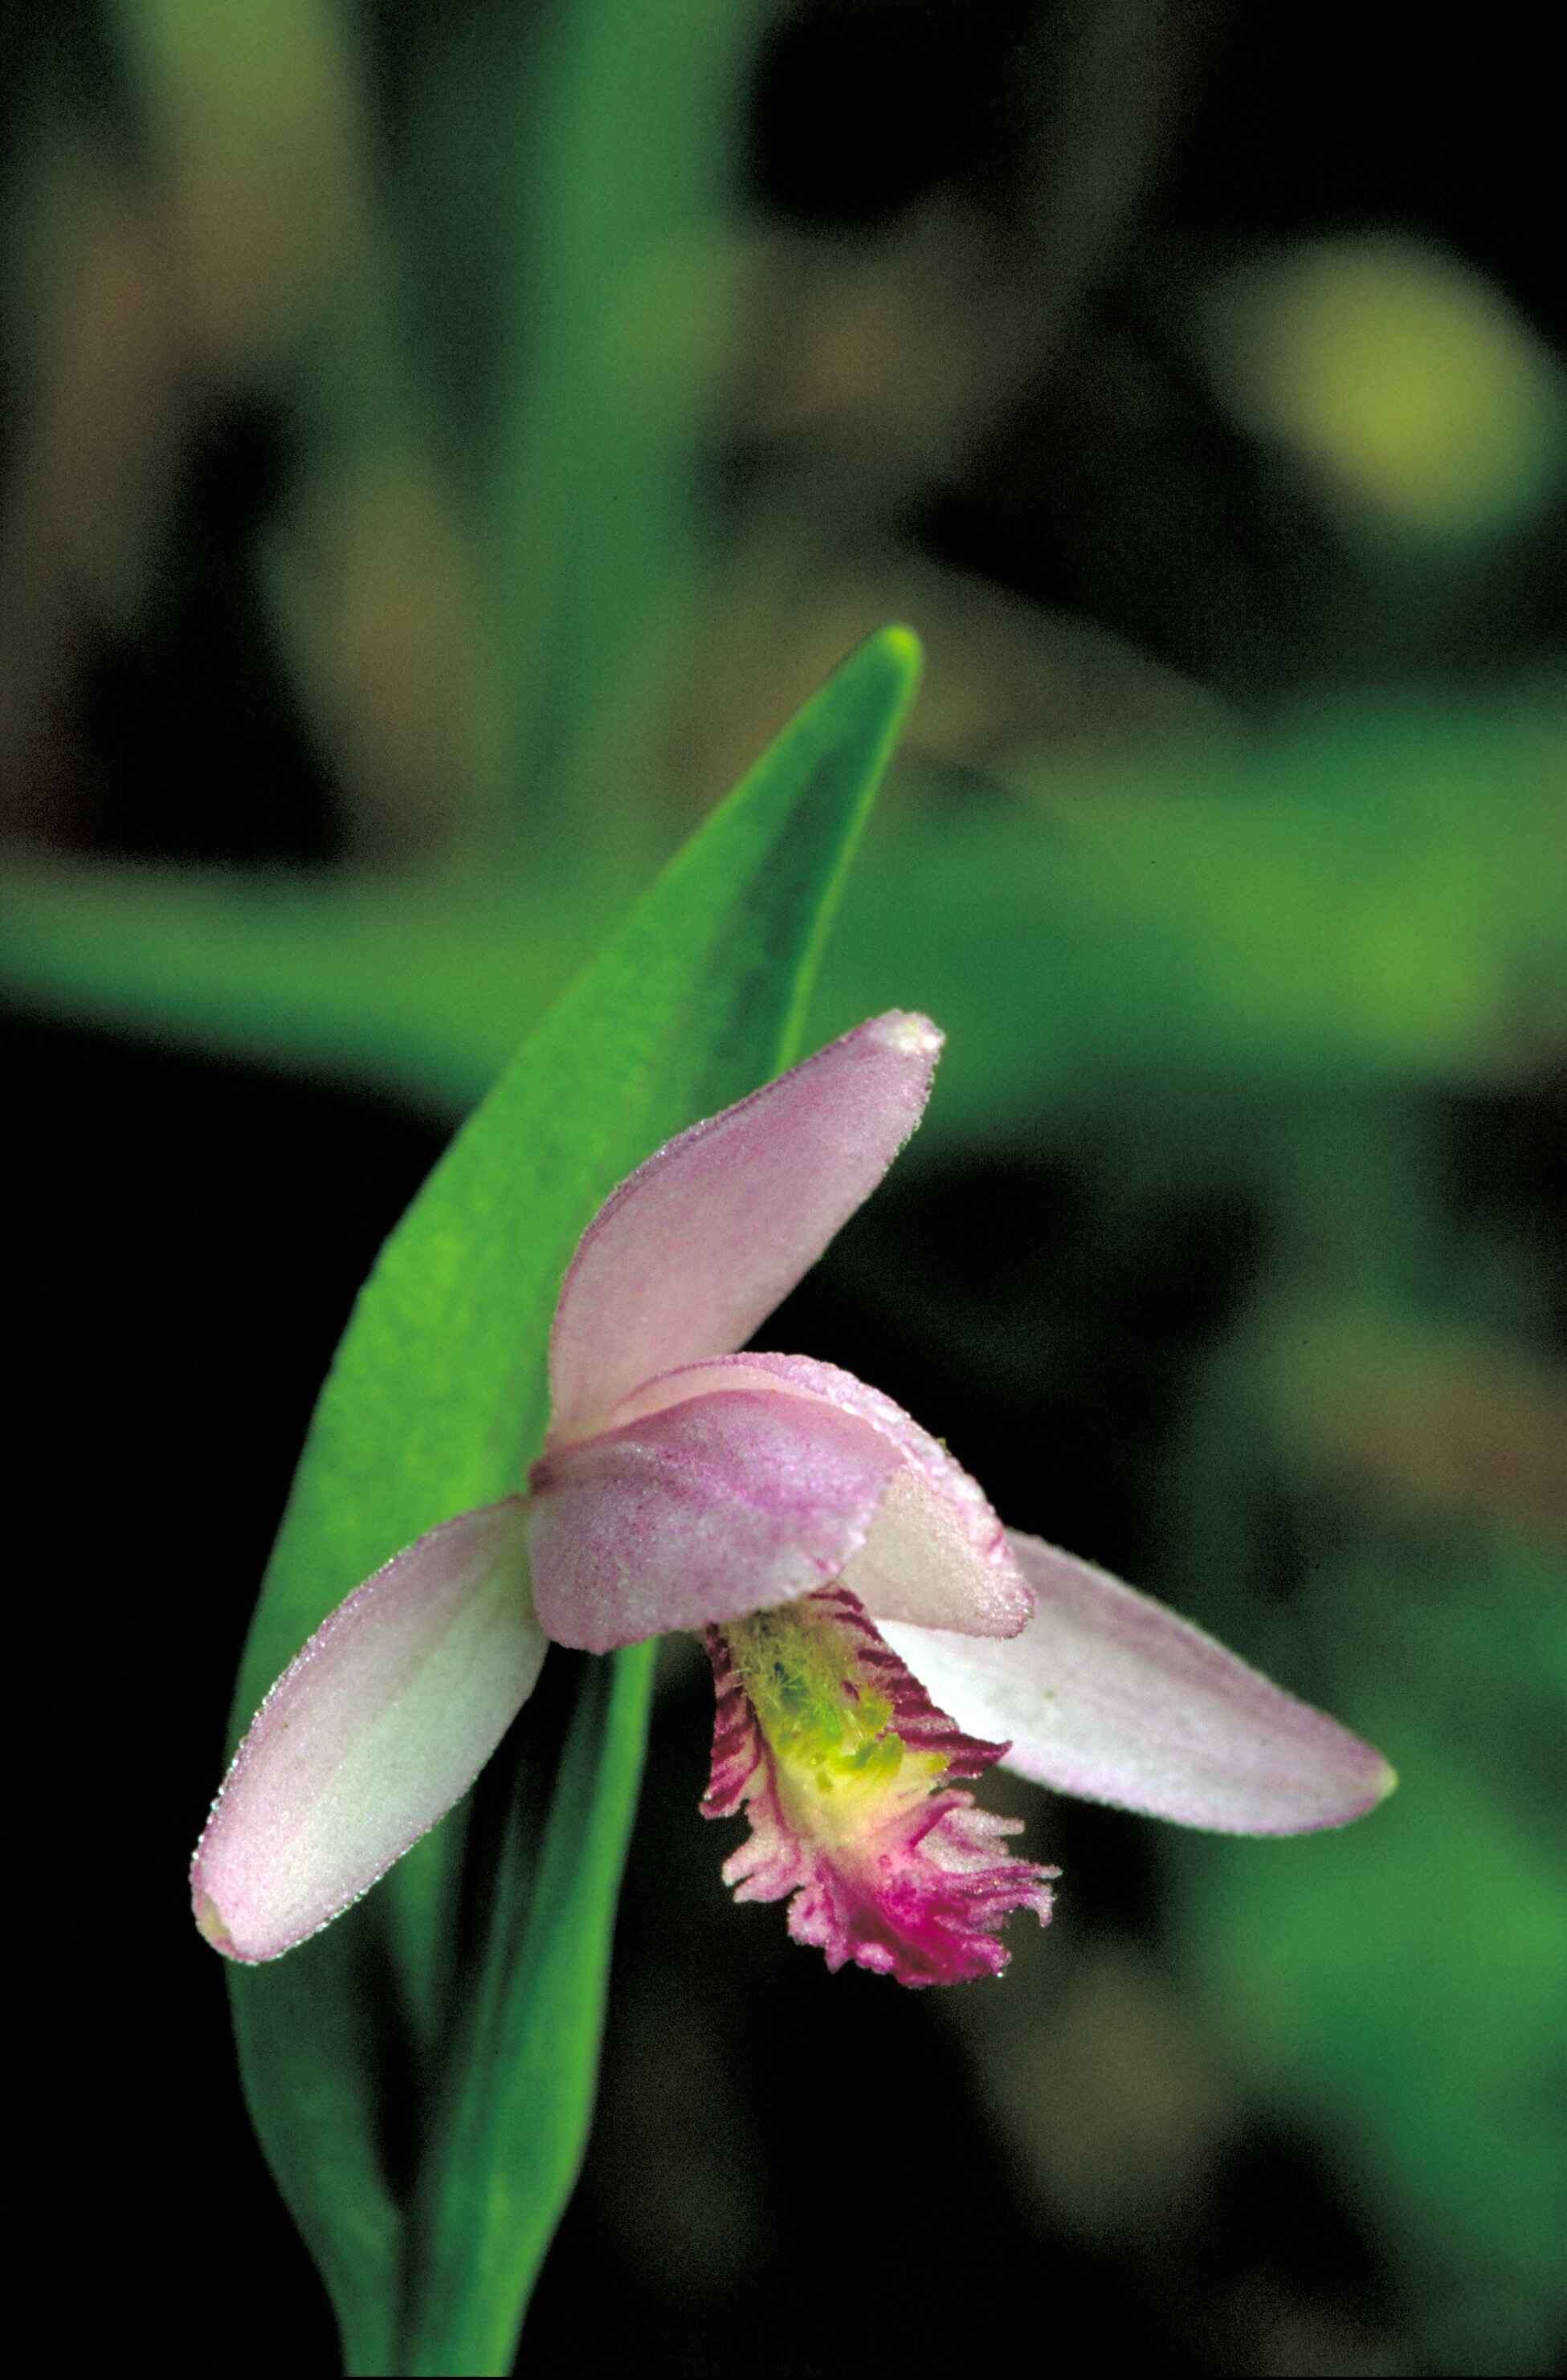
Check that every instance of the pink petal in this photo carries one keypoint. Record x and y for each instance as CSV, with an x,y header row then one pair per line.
x,y
725,1487
935,1552
1108,1695
710,1507
371,1734
698,1246
843,1769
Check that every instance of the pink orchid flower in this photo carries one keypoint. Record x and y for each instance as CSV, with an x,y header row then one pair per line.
x,y
876,1636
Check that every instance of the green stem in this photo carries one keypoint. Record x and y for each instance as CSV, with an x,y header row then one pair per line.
x,y
482,2221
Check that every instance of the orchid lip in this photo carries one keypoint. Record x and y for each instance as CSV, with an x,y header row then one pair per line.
x,y
848,1777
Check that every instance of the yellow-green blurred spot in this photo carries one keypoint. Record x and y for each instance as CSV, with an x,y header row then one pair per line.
x,y
1411,383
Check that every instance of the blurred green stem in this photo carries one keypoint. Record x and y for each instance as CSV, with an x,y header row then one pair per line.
x,y
621,162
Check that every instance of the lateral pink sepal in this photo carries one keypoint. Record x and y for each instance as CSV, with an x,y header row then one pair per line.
x,y
371,1734
1109,1695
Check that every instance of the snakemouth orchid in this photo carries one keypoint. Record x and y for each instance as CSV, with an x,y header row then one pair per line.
x,y
878,1639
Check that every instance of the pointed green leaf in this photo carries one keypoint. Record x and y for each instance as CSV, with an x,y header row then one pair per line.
x,y
436,1402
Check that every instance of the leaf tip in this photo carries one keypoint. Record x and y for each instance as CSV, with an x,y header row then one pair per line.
x,y
898,644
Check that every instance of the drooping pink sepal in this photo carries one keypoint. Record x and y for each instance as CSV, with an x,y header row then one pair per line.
x,y
371,1734
917,1885
1111,1696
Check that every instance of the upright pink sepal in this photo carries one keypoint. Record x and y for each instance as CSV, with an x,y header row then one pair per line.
x,y
371,1734
1108,1695
698,1246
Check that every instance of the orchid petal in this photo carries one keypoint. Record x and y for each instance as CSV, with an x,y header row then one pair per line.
x,y
1109,1695
707,1510
371,1734
698,1246
935,1552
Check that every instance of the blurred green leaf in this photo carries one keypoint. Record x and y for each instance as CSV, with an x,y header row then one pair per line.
x,y
437,1401
615,171
1372,900
1377,896
260,129
420,989
1400,1984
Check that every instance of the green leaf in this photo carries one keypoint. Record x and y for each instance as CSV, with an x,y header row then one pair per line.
x,y
1365,902
1372,898
1399,1987
472,1986
617,292
259,119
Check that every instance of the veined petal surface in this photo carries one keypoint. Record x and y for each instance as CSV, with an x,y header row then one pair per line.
x,y
706,1510
935,1552
697,1247
371,1734
1109,1695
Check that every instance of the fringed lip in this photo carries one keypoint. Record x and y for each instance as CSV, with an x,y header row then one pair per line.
x,y
844,1769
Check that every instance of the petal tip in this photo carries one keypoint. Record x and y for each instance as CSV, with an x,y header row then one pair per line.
x,y
376,1726
1360,1782
210,1923
908,1033
1375,1779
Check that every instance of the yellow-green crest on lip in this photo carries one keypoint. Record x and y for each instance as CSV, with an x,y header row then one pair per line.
x,y
828,1724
